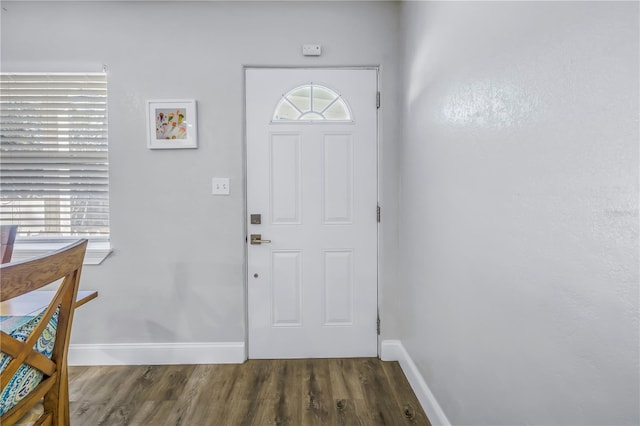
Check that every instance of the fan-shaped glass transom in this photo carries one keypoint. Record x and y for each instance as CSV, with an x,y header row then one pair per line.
x,y
312,102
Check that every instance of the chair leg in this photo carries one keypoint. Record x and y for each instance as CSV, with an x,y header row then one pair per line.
x,y
64,398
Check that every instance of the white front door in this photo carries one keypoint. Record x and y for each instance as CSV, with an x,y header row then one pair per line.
x,y
312,179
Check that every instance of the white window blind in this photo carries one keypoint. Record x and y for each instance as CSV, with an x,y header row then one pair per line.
x,y
54,169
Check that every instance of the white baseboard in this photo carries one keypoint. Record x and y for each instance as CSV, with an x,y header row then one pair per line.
x,y
157,353
393,350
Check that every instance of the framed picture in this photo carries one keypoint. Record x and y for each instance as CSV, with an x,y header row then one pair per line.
x,y
172,124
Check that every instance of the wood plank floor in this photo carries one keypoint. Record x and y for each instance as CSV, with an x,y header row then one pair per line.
x,y
354,391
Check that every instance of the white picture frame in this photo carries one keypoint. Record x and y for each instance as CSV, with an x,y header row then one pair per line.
x,y
172,124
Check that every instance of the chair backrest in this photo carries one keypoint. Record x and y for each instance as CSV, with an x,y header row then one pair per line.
x,y
7,238
30,354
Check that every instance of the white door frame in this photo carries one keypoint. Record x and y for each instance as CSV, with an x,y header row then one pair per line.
x,y
244,185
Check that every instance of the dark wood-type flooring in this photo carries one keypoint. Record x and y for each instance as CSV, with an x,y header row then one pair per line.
x,y
358,391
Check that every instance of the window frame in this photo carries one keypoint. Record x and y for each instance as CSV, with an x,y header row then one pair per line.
x,y
339,99
26,246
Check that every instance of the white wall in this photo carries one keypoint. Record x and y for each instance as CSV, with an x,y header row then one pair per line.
x,y
517,290
519,210
177,273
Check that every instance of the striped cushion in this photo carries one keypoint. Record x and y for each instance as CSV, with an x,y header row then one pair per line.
x,y
27,377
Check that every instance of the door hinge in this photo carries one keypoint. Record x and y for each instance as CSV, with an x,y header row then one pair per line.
x,y
378,100
378,213
378,325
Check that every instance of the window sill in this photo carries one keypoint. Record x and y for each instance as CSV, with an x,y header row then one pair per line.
x,y
97,251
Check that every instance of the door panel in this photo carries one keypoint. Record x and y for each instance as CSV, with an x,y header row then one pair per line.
x,y
285,168
312,290
338,179
338,287
286,288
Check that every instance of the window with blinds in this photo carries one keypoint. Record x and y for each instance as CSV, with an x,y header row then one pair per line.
x,y
54,170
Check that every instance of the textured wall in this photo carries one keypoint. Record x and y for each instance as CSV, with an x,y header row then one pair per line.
x,y
519,210
177,273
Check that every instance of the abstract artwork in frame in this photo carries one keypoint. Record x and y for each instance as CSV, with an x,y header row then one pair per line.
x,y
172,124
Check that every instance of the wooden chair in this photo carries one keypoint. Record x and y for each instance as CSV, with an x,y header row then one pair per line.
x,y
7,238
31,352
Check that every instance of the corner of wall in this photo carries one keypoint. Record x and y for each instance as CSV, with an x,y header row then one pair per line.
x,y
393,350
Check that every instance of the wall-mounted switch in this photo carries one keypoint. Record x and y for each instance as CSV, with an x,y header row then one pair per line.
x,y
220,186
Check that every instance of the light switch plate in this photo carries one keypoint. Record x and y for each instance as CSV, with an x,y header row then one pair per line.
x,y
220,186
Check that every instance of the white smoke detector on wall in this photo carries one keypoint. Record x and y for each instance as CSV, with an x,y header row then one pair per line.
x,y
311,50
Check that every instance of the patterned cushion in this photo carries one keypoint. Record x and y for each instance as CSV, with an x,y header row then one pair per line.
x,y
27,378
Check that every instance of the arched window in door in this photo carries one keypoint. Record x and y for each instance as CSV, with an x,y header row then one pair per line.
x,y
312,102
